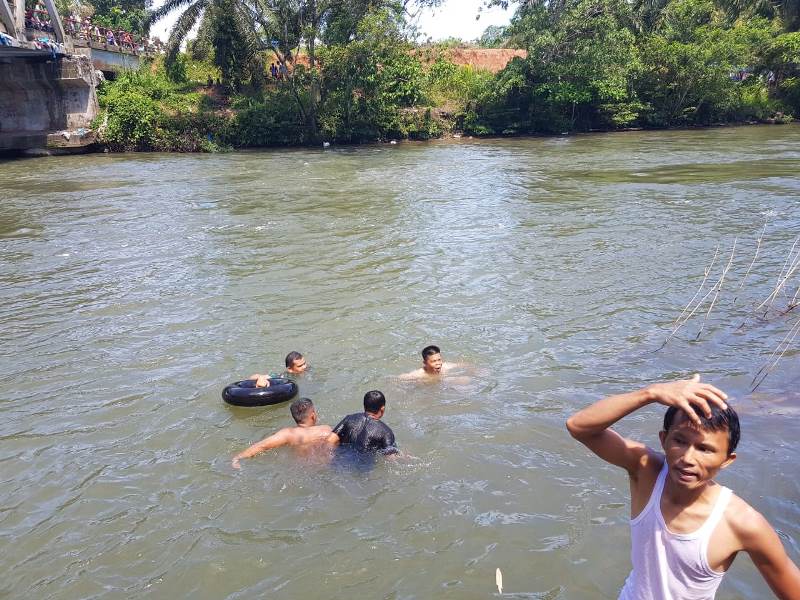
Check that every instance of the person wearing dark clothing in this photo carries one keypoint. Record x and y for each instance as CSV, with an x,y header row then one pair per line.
x,y
365,431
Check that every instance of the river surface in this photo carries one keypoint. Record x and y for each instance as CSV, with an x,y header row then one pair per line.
x,y
134,287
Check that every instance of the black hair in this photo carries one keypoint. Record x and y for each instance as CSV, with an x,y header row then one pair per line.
x,y
374,401
291,357
721,420
430,351
300,409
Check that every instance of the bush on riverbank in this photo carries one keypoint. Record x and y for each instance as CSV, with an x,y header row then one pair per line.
x,y
146,111
597,65
271,119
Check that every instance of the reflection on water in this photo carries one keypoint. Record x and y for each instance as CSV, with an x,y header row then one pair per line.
x,y
135,287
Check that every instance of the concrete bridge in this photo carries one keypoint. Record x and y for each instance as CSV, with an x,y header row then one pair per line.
x,y
48,82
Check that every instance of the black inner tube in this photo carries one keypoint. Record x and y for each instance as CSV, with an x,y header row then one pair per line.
x,y
245,393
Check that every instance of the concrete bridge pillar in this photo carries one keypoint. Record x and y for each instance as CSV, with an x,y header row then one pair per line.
x,y
46,103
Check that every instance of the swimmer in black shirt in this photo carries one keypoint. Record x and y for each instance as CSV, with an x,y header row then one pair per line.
x,y
365,431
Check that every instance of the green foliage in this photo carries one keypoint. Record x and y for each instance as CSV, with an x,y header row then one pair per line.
x,y
421,124
177,70
456,86
790,92
233,53
580,58
448,43
129,15
132,121
201,72
687,67
591,64
116,18
367,81
227,36
342,20
609,64
494,36
271,120
146,111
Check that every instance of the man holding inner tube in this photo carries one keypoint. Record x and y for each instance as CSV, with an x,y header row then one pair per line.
x,y
305,433
295,364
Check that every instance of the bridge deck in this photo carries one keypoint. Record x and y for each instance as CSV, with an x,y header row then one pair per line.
x,y
26,53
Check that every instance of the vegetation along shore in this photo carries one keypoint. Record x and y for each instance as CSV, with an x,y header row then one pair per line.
x,y
266,73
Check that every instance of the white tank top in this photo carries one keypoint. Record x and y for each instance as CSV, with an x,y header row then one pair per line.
x,y
671,566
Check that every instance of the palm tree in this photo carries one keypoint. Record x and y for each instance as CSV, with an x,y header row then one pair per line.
x,y
787,10
226,25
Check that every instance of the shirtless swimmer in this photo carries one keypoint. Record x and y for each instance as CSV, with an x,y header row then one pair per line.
x,y
305,433
432,365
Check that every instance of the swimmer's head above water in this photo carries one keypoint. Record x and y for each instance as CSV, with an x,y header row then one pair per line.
x,y
375,404
295,363
432,360
303,412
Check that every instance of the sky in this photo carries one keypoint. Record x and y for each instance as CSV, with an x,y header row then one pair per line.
x,y
454,18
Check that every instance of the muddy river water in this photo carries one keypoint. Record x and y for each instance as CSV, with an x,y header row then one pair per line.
x,y
134,287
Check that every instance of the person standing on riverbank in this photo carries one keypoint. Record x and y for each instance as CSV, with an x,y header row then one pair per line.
x,y
295,364
686,529
306,432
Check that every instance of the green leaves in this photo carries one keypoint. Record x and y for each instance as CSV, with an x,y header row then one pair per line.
x,y
146,111
367,81
658,63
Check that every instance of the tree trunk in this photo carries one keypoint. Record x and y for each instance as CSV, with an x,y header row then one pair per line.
x,y
314,92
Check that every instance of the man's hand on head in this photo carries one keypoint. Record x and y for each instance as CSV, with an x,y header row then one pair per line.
x,y
686,394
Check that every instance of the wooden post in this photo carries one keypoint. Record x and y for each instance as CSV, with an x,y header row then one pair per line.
x,y
7,17
55,20
19,7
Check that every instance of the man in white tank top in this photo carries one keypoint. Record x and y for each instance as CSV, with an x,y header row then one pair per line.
x,y
685,528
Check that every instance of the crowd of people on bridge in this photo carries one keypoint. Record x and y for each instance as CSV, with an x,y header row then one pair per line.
x,y
38,19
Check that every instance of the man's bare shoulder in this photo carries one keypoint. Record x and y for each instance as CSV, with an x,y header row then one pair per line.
x,y
308,435
415,374
651,461
745,521
643,478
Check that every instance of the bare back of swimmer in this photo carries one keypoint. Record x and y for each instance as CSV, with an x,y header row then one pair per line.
x,y
305,433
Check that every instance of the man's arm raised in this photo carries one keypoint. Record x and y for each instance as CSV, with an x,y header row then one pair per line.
x,y
276,440
592,425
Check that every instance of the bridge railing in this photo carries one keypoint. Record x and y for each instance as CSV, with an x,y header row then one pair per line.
x,y
85,30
